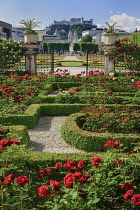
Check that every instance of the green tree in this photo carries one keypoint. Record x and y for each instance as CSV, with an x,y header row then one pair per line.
x,y
76,46
78,30
86,38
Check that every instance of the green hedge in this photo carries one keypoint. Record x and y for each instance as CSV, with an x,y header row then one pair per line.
x,y
32,114
17,132
29,118
89,141
66,84
60,109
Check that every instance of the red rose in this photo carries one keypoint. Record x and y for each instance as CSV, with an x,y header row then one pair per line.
x,y
79,177
118,162
71,93
43,190
15,142
136,199
43,173
72,169
112,144
71,161
126,186
9,179
55,184
66,166
1,132
57,165
5,142
128,194
80,164
22,180
69,179
129,153
96,159
96,164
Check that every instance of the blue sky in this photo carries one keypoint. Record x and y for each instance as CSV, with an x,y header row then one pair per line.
x,y
125,12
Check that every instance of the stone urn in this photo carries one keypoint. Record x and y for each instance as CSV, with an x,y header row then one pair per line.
x,y
110,38
30,37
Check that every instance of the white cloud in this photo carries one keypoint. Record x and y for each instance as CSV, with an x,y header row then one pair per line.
x,y
126,22
2,19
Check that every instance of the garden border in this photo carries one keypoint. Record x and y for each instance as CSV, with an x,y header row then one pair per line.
x,y
92,141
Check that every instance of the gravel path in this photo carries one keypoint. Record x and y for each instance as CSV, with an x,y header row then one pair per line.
x,y
46,136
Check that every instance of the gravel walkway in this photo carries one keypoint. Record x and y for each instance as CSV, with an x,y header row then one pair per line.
x,y
46,136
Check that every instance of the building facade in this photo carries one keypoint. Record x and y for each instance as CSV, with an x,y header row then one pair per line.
x,y
67,25
17,34
5,30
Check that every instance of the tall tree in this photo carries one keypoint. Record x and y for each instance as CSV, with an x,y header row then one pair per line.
x,y
86,38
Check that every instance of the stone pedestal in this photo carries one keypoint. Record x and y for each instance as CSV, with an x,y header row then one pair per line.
x,y
30,58
109,62
109,46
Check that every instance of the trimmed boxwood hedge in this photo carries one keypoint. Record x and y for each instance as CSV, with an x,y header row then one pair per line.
x,y
89,141
66,85
17,132
32,114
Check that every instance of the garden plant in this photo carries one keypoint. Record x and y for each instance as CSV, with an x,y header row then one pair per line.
x,y
106,177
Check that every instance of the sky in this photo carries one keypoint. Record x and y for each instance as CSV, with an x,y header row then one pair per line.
x,y
125,12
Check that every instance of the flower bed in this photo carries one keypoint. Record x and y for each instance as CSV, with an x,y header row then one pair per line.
x,y
92,141
68,183
33,180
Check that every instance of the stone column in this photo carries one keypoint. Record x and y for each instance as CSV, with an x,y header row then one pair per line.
x,y
30,58
30,43
109,45
109,62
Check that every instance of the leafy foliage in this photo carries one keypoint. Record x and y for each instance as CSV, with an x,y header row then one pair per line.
x,y
86,38
111,27
10,52
30,24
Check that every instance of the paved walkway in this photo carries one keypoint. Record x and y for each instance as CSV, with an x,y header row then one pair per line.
x,y
71,57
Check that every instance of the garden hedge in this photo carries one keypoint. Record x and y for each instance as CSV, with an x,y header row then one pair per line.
x,y
17,132
32,114
89,141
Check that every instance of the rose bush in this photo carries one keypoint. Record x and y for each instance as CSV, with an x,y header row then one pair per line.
x,y
106,181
